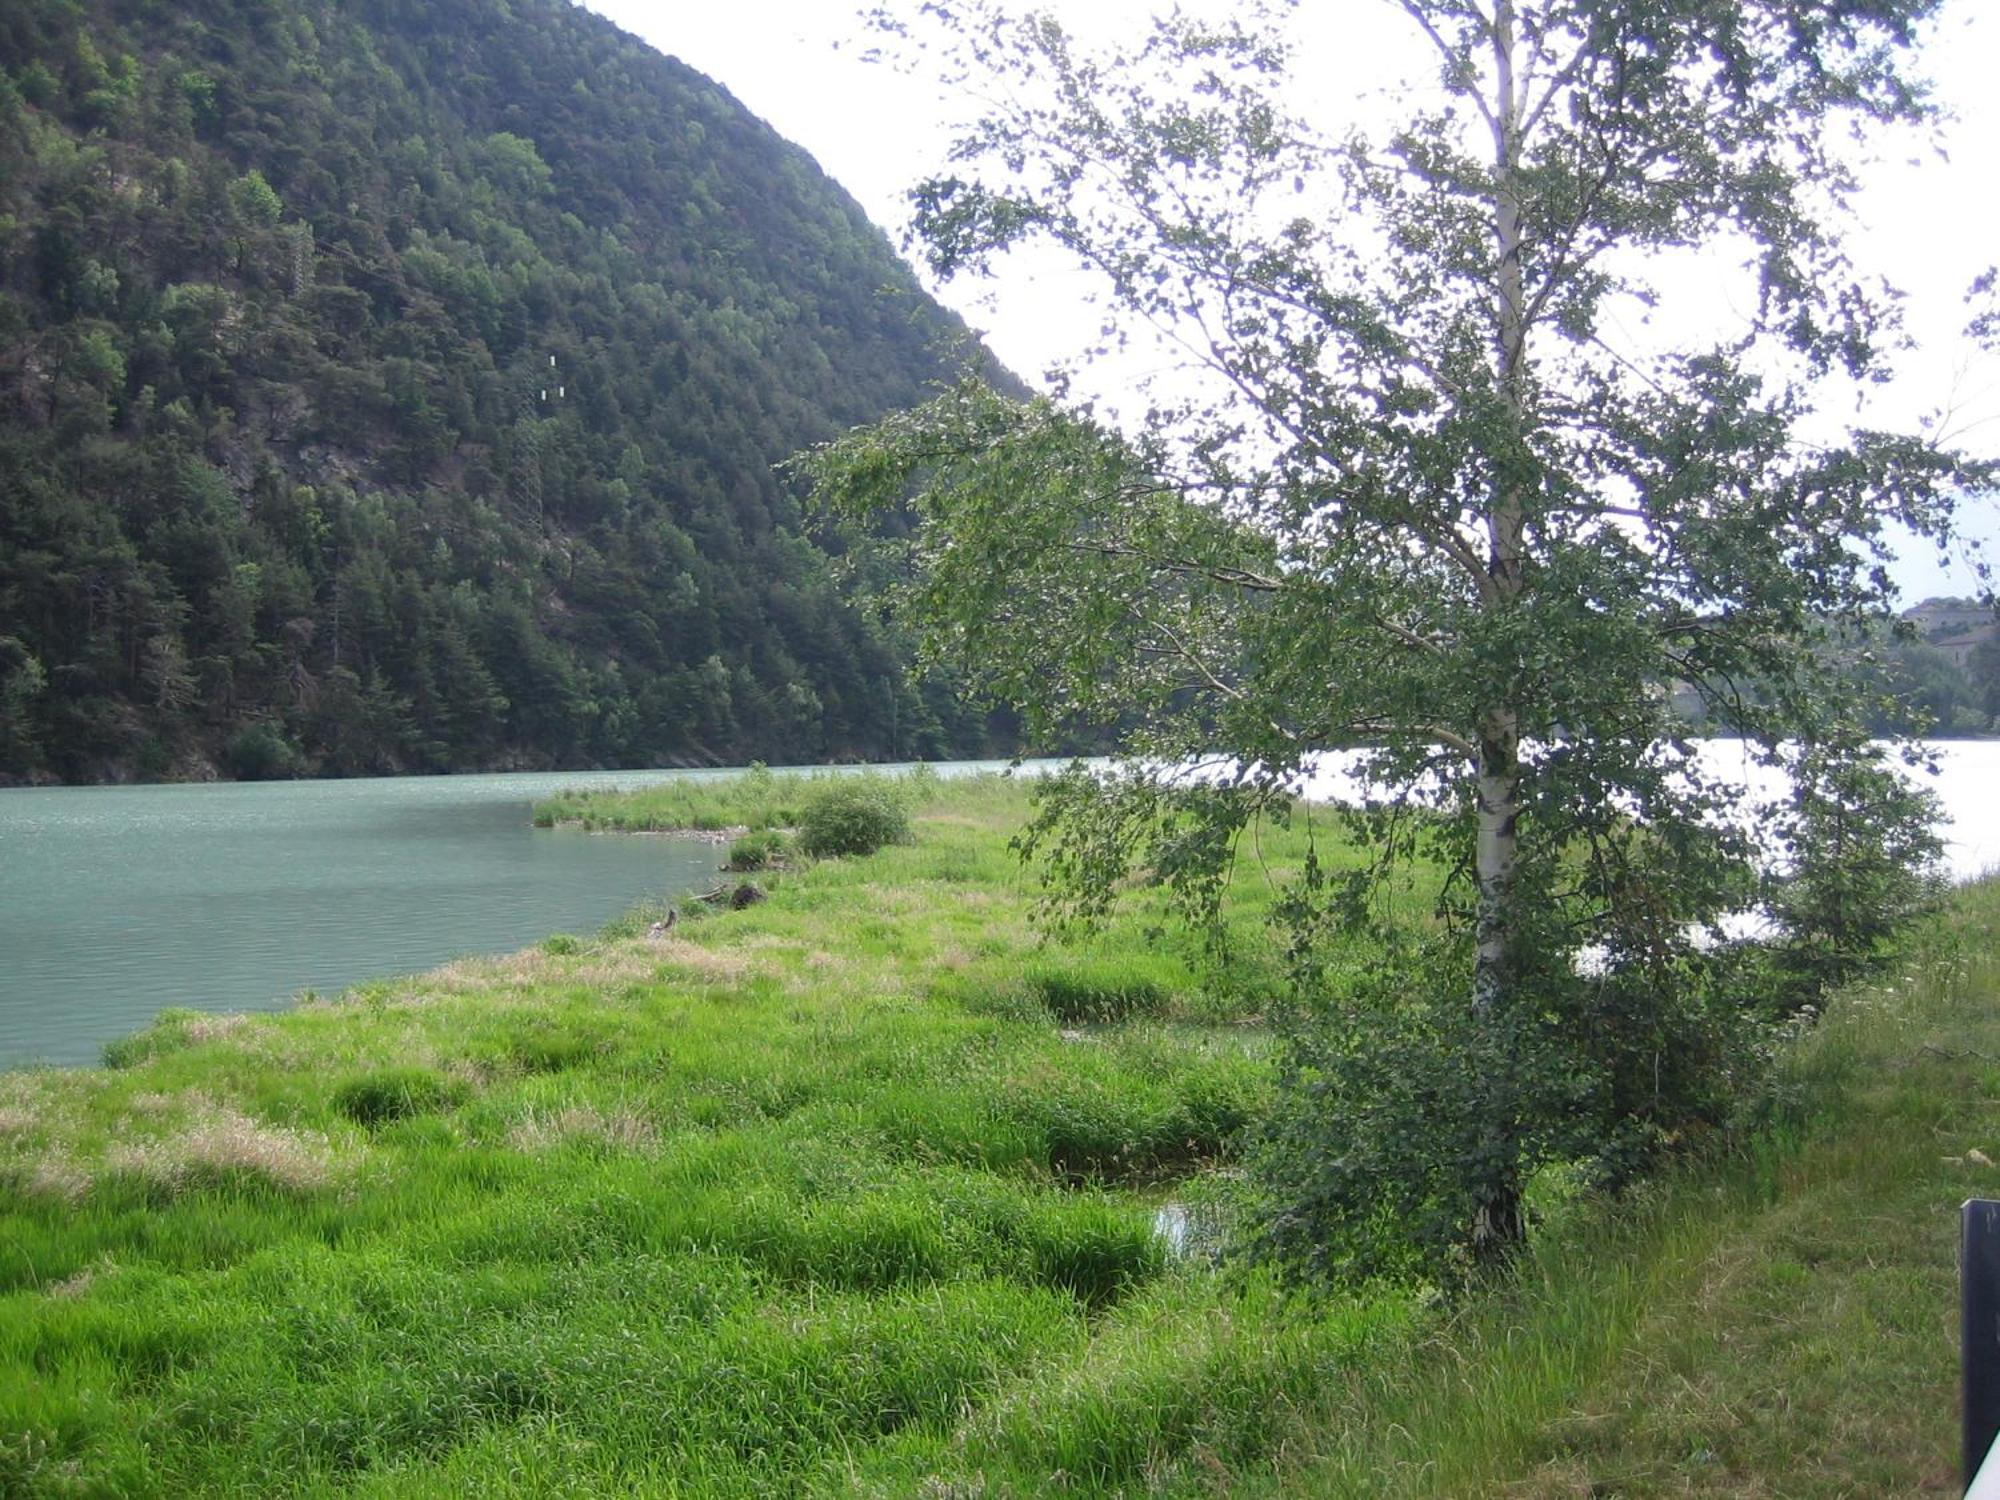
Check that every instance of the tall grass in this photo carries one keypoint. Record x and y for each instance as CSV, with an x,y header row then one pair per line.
x,y
758,799
708,1213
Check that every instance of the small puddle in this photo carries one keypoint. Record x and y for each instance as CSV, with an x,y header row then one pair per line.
x,y
1190,1231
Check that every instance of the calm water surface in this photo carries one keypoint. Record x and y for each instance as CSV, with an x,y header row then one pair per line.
x,y
116,902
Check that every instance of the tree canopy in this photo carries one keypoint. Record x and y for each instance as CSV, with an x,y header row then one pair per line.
x,y
1423,498
391,387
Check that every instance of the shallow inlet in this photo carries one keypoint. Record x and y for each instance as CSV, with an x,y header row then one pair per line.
x,y
116,902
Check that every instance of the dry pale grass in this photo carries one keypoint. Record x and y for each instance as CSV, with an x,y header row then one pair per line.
x,y
974,897
209,1028
726,965
617,1130
287,1052
978,822
55,1101
802,968
47,1091
899,900
20,1088
530,970
473,1075
75,1285
218,1141
53,1174
616,968
522,970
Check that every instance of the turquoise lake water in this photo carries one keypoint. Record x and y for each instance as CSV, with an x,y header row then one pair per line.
x,y
116,902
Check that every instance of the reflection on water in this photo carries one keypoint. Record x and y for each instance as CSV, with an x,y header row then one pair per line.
x,y
1191,1231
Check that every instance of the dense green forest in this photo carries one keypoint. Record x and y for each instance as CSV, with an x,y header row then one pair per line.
x,y
391,386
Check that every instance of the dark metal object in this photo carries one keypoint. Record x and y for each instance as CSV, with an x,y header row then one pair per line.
x,y
1979,1333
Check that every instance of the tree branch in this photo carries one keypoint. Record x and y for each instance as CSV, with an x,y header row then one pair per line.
x,y
1444,48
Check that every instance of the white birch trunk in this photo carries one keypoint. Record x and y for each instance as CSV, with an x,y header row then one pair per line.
x,y
1498,1225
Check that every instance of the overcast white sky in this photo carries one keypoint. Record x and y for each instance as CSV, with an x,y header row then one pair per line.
x,y
1930,225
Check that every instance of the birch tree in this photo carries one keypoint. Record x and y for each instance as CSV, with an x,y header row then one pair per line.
x,y
1423,493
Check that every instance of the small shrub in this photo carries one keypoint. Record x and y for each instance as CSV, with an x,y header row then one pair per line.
x,y
1406,1128
260,752
1864,865
395,1094
1393,1123
561,945
759,851
857,815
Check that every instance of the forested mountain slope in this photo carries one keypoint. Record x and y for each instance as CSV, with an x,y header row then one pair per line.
x,y
390,385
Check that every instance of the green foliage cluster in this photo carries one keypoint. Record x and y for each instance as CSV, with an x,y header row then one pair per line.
x,y
1862,853
759,851
168,1033
1904,679
1912,687
389,388
1394,1106
823,813
755,801
1384,1127
852,816
391,1094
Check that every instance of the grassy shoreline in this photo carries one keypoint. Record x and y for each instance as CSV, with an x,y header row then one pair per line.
x,y
855,1192
756,801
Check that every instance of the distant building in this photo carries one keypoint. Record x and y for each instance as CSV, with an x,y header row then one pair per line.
x,y
1955,628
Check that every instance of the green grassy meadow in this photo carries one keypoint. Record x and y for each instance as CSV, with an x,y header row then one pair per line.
x,y
856,1192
